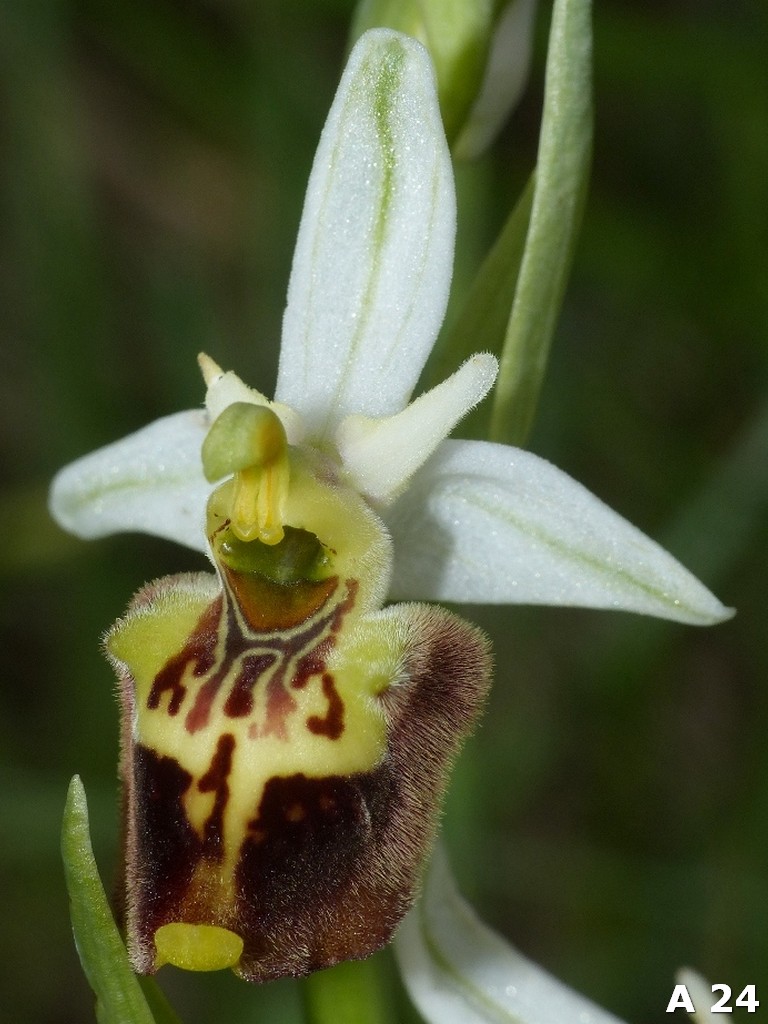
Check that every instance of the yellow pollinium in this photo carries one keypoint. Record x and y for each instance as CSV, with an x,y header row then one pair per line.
x,y
249,441
197,947
259,503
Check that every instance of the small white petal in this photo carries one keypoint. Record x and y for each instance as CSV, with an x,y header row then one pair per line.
x,y
380,456
151,482
372,266
488,523
459,971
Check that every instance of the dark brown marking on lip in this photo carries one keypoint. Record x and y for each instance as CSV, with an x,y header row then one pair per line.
x,y
199,650
260,653
296,814
201,709
332,723
215,781
313,663
280,704
240,700
345,607
163,849
235,644
305,847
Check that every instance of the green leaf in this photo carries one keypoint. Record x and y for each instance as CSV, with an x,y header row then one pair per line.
x,y
562,171
119,995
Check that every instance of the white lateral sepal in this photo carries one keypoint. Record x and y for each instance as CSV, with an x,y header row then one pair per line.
x,y
487,523
700,994
149,482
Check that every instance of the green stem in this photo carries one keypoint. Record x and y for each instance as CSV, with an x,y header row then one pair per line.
x,y
481,326
562,171
350,993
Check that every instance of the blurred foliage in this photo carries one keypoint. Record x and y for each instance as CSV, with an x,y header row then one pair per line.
x,y
611,815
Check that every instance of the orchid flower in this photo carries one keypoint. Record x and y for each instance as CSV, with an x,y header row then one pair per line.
x,y
287,736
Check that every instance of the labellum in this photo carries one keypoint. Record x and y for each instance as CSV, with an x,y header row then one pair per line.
x,y
286,739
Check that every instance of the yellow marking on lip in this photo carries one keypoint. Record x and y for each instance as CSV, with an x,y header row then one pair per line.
x,y
198,807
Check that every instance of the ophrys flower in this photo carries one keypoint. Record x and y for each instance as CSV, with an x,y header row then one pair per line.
x,y
286,737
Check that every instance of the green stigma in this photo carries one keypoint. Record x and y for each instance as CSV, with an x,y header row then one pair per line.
x,y
299,556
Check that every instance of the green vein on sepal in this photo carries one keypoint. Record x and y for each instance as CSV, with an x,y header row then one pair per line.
x,y
119,996
562,172
462,982
456,33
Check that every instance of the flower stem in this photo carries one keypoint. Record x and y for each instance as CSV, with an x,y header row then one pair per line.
x,y
349,993
562,172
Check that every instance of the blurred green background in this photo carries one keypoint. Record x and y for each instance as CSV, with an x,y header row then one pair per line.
x,y
611,816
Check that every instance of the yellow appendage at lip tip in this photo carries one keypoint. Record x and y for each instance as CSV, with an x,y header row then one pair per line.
x,y
197,947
